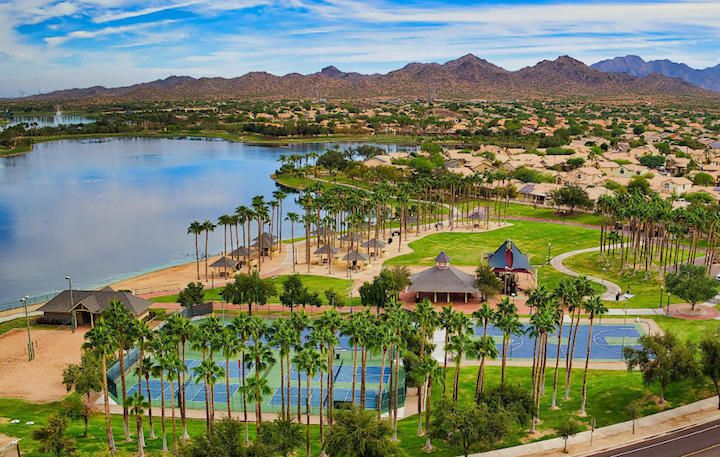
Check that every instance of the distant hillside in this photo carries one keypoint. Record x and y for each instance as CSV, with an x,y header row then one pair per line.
x,y
468,77
707,78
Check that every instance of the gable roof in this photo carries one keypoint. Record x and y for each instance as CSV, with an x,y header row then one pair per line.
x,y
444,280
509,258
95,301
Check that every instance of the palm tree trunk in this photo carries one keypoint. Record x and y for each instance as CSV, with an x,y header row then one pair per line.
x,y
106,401
307,416
172,418
354,373
162,412
557,366
587,362
428,395
380,384
299,388
244,397
197,257
227,385
282,389
207,254
150,414
126,424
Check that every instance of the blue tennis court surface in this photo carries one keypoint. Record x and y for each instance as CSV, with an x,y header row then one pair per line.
x,y
156,390
196,392
372,374
608,341
339,394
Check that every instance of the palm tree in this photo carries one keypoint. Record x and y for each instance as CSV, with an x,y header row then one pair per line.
x,y
146,367
310,361
226,220
482,348
484,316
458,345
124,327
240,326
282,338
230,348
180,328
279,196
136,403
430,370
161,348
209,372
332,322
507,320
100,340
564,294
446,319
173,368
207,227
594,307
196,228
264,357
260,210
294,218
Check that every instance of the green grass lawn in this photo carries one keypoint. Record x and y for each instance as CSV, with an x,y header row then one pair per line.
x,y
544,212
313,283
16,323
608,394
688,330
647,292
469,248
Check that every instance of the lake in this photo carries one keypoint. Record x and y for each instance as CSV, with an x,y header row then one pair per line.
x,y
104,210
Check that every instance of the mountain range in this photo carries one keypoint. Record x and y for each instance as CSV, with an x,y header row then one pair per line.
x,y
468,77
707,78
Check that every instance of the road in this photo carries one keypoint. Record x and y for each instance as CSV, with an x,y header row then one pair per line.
x,y
699,441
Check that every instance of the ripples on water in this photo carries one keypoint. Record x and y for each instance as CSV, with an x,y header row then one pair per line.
x,y
102,210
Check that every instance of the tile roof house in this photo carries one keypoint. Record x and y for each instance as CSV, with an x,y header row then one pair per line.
x,y
583,177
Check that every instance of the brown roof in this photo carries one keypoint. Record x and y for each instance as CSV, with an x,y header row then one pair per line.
x,y
443,279
95,301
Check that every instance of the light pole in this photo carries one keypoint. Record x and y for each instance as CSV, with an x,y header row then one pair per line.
x,y
668,302
662,288
548,256
73,320
31,350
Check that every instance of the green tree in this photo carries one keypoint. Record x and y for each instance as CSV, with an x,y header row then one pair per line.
x,y
691,283
283,436
639,185
136,403
75,407
293,292
572,197
487,282
359,433
52,437
224,440
710,361
652,161
663,359
468,425
192,295
566,430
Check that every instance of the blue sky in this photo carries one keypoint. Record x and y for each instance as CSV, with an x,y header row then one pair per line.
x,y
48,44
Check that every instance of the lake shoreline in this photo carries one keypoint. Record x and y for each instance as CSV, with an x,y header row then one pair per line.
x,y
249,140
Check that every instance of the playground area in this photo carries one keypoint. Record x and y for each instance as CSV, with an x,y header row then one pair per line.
x,y
607,344
195,391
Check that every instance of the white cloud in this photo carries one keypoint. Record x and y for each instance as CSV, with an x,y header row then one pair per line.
x,y
85,34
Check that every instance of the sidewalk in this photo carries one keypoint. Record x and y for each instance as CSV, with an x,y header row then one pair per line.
x,y
619,434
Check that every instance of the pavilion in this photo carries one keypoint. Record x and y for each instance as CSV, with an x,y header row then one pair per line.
x,y
507,261
78,307
223,264
443,279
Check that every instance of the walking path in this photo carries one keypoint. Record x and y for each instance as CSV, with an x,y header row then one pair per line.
x,y
604,438
613,290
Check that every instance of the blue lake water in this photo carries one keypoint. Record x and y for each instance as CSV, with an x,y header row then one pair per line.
x,y
103,210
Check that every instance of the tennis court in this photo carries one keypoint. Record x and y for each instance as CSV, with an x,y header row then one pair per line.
x,y
608,341
372,374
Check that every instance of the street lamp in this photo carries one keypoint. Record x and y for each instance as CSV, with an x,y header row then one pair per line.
x,y
31,351
668,302
73,319
548,256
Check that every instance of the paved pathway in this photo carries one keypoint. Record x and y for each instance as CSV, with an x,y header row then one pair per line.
x,y
612,289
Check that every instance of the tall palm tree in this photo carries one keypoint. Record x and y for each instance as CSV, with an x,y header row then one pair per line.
x,y
196,228
136,403
240,326
260,210
173,368
226,221
458,345
100,340
180,328
146,373
483,317
509,322
482,348
294,218
230,345
207,228
332,321
446,319
279,196
594,307
263,355
124,327
144,337
430,370
282,338
209,372
308,360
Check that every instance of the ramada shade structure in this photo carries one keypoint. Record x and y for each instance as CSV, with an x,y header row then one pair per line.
x,y
355,256
242,251
442,278
374,243
508,258
224,262
325,249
